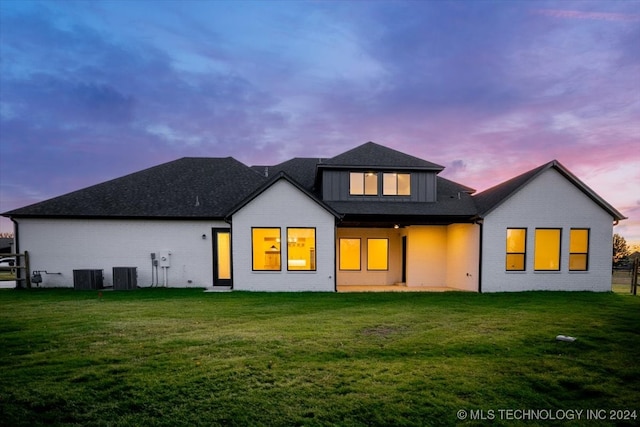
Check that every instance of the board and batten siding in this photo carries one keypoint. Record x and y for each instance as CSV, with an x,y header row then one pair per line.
x,y
335,187
549,201
64,245
283,205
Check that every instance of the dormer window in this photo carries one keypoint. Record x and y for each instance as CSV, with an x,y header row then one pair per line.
x,y
396,184
392,184
363,184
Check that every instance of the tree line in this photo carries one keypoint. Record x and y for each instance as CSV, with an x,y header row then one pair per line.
x,y
622,252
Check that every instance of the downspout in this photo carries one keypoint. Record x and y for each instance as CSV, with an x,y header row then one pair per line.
x,y
16,249
227,219
335,256
480,261
480,223
335,252
16,245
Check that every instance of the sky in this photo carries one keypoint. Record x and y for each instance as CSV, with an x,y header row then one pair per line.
x,y
93,90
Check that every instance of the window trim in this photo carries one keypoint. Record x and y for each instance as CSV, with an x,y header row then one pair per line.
x,y
313,262
559,253
368,254
359,239
586,254
253,265
524,254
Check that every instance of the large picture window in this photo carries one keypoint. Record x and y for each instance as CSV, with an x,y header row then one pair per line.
x,y
516,249
377,254
396,184
363,184
579,249
266,245
301,249
349,254
547,249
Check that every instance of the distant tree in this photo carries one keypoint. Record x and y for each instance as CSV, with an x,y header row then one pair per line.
x,y
620,249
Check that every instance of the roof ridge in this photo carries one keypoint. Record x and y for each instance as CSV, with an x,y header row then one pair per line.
x,y
371,154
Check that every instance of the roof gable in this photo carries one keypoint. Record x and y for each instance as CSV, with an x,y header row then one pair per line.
x,y
187,187
268,184
490,199
372,155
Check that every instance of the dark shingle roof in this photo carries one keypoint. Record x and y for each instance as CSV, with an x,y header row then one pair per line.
x,y
378,156
185,188
491,198
301,169
213,187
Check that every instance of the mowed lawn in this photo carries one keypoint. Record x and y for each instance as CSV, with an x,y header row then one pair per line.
x,y
185,358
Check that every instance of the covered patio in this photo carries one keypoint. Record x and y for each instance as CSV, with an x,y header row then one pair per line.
x,y
414,258
395,288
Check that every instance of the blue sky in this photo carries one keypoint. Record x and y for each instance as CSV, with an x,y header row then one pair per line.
x,y
92,90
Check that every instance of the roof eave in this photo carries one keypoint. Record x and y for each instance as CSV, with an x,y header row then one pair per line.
x,y
381,167
119,217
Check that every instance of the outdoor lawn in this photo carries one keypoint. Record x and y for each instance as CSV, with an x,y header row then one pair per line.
x,y
175,357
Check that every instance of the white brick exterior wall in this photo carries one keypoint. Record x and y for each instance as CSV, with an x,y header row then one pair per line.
x,y
550,201
283,205
61,246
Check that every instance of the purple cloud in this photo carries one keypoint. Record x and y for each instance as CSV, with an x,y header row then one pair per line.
x,y
94,90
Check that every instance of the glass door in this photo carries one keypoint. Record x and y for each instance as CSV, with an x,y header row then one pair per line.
x,y
221,257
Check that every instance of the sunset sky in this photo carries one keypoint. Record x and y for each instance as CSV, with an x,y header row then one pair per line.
x,y
93,90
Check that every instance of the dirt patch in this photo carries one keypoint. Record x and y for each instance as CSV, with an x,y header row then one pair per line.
x,y
383,331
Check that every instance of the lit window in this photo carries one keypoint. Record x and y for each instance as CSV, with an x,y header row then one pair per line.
x,y
349,254
223,255
396,184
363,184
516,248
377,254
266,248
579,249
301,249
547,249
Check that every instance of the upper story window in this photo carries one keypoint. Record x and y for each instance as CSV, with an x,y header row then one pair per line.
x,y
396,184
363,184
366,184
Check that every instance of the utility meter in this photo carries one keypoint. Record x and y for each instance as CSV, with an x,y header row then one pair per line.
x,y
165,258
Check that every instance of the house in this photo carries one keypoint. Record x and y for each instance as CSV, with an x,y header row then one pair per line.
x,y
371,216
6,245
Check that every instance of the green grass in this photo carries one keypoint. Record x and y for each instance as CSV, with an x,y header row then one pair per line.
x,y
184,357
7,275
